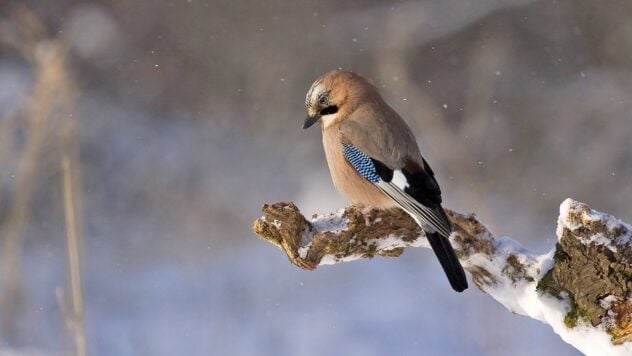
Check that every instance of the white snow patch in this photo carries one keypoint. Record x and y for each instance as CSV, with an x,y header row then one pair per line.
x,y
562,221
332,260
523,298
393,241
520,295
302,251
387,243
334,222
606,302
600,239
570,208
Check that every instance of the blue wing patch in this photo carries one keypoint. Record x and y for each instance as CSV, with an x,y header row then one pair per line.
x,y
361,162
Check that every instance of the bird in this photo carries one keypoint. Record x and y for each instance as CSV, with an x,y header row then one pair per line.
x,y
374,159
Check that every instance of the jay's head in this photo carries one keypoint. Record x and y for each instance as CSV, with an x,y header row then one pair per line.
x,y
335,95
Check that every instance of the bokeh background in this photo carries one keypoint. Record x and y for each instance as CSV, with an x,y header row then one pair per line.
x,y
138,140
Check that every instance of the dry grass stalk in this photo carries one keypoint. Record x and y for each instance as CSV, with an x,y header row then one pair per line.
x,y
47,114
73,245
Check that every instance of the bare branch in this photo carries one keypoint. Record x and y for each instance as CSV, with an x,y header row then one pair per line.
x,y
584,281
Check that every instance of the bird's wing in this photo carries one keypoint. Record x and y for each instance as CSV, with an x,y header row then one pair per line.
x,y
382,134
382,149
410,186
379,132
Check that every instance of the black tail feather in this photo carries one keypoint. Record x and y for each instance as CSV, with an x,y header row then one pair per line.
x,y
450,263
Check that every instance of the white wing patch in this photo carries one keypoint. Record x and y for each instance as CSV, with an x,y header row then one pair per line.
x,y
399,179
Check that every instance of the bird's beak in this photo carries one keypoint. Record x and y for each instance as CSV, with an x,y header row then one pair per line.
x,y
311,120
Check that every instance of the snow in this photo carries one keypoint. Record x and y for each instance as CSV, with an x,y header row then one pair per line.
x,y
570,208
607,301
518,294
524,299
388,243
332,260
393,241
600,239
303,250
335,222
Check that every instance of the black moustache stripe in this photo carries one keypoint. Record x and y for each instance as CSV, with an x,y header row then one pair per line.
x,y
329,110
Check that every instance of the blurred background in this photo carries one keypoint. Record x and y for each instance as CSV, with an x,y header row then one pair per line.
x,y
138,141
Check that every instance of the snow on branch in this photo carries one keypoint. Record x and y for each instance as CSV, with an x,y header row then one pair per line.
x,y
581,288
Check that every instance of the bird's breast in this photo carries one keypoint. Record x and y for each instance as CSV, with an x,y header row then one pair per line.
x,y
346,179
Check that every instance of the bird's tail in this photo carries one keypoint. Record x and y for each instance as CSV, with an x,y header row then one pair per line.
x,y
442,248
436,224
448,260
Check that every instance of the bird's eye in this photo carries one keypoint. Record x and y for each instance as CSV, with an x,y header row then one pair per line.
x,y
323,100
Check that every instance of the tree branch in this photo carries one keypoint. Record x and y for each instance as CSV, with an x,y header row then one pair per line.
x,y
582,288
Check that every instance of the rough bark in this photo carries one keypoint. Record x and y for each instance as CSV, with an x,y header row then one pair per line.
x,y
590,269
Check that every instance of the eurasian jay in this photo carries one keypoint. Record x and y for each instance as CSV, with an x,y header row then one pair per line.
x,y
374,159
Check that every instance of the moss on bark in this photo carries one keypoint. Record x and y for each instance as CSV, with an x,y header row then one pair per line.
x,y
586,271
